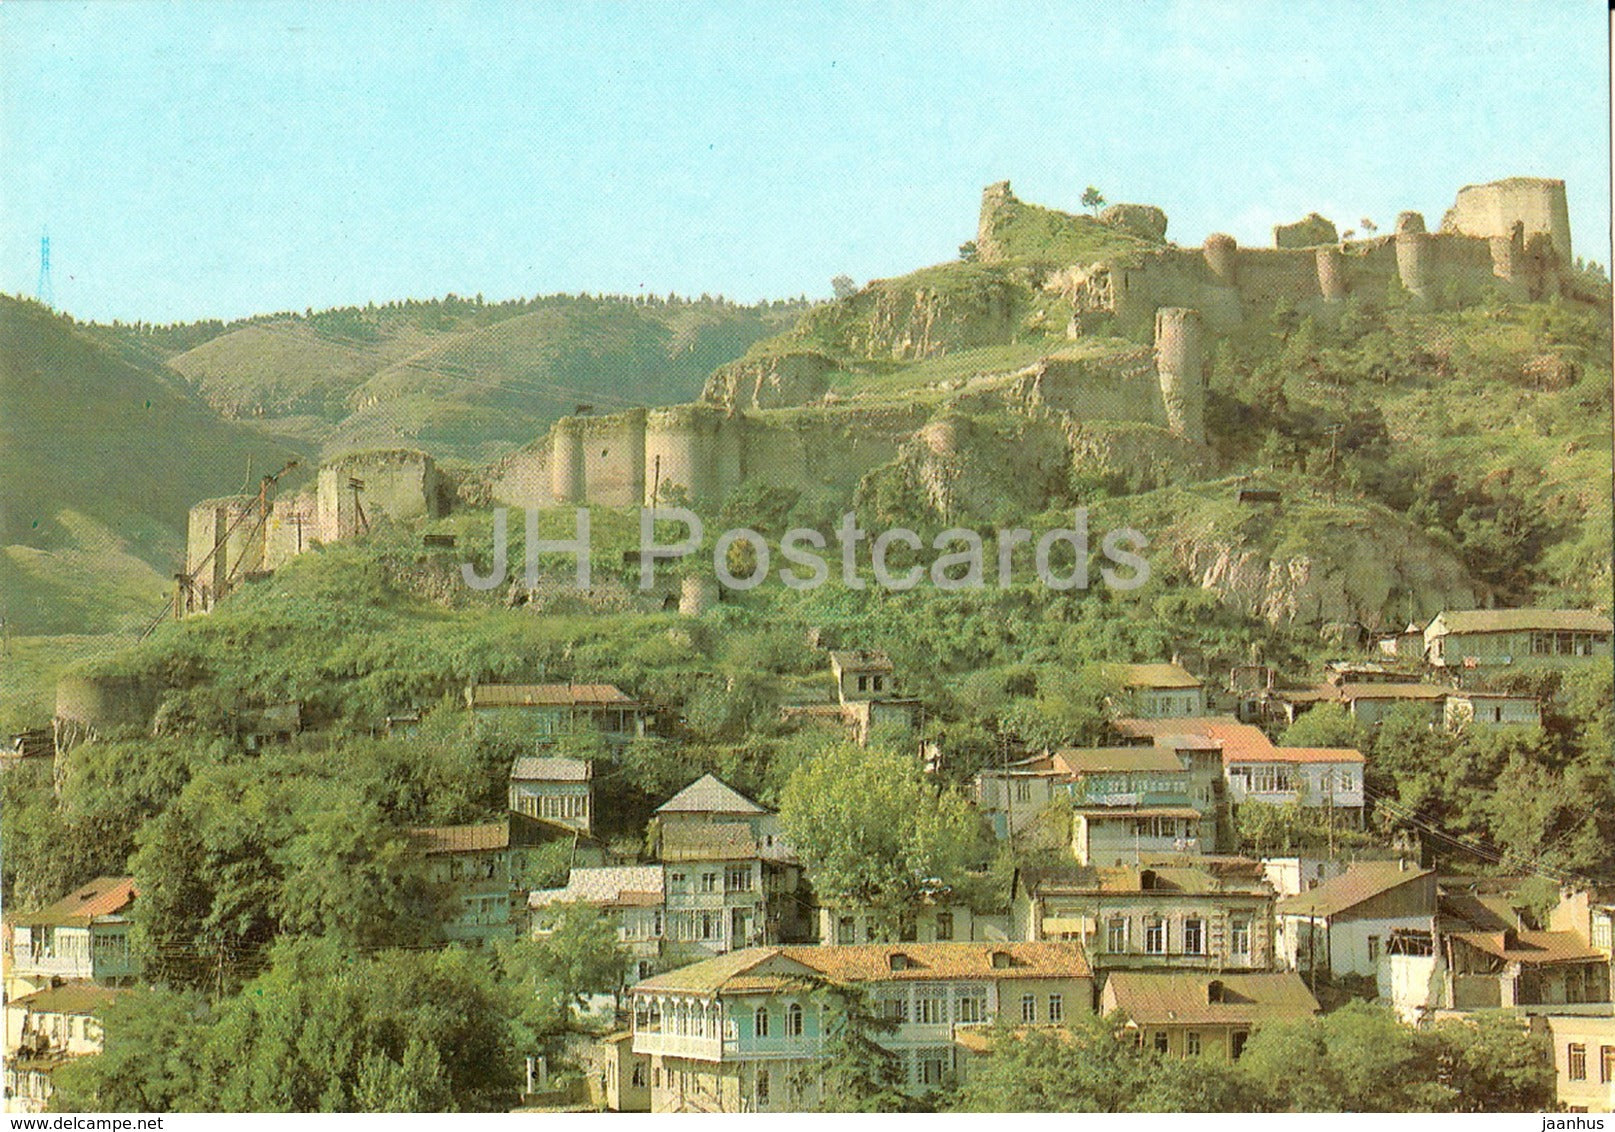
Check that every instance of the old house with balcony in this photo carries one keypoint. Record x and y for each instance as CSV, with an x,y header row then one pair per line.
x,y
726,890
1491,638
548,711
1213,913
1469,710
1156,691
82,937
46,1030
556,789
485,870
1199,1014
1343,926
742,1032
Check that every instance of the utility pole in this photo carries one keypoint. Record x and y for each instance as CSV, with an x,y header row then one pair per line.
x,y
45,292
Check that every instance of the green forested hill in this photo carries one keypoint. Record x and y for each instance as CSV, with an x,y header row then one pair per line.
x,y
460,378
102,453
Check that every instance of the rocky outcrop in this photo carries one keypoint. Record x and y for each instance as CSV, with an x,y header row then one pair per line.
x,y
772,381
1142,220
1307,561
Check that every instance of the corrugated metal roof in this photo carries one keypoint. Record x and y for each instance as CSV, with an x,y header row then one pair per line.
x,y
1532,947
1360,882
708,841
550,695
1154,998
1517,620
1301,755
544,768
479,838
1152,675
1101,760
709,795
623,884
76,997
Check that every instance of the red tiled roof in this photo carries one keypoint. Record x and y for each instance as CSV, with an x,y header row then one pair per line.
x,y
1237,739
103,896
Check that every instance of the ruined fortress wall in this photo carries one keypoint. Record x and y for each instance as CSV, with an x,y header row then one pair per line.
x,y
1123,390
523,478
292,525
398,484
1493,209
825,449
102,702
613,457
236,547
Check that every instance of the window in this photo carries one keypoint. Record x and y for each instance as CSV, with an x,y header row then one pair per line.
x,y
1373,949
793,1021
878,682
933,1011
1601,932
1239,938
1191,1043
931,1069
944,925
1348,781
1154,936
762,1085
1023,790
863,683
737,878
1116,935
1028,1008
709,882
846,930
709,926
677,882
1236,1043
1576,1062
1056,1008
1194,936
760,1022
896,1009
972,1009
638,1078
1160,1041
1606,1064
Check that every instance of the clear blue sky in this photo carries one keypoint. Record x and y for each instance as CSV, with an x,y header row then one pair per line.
x,y
213,159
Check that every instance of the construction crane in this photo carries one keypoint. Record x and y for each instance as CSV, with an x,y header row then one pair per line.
x,y
185,580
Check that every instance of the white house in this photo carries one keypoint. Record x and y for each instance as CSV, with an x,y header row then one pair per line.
x,y
1344,925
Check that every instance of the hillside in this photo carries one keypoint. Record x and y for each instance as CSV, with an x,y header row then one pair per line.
x,y
102,453
460,378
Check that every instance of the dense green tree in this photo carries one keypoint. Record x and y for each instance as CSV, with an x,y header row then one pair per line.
x,y
875,833
857,1073
151,1060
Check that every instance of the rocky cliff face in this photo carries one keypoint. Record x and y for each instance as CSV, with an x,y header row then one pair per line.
x,y
1303,560
773,381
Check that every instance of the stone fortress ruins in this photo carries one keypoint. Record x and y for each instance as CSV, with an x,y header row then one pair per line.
x,y
775,420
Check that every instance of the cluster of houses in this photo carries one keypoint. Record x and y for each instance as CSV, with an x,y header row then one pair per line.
x,y
1138,903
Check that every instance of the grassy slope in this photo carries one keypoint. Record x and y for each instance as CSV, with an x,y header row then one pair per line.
x,y
102,453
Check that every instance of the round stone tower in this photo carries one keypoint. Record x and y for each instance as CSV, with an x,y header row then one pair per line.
x,y
1180,368
1415,254
1331,274
1222,252
566,461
